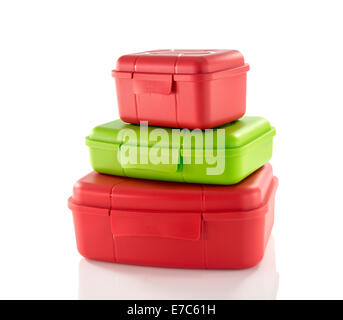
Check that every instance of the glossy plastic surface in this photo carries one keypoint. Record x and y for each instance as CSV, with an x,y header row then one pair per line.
x,y
168,224
181,88
248,146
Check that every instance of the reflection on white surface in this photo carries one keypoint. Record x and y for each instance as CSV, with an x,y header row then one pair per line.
x,y
102,280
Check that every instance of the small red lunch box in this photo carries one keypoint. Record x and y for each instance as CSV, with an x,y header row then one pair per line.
x,y
182,88
172,224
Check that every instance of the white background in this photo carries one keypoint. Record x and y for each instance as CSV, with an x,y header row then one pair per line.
x,y
56,59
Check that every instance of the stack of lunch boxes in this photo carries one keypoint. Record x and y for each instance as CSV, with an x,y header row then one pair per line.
x,y
183,179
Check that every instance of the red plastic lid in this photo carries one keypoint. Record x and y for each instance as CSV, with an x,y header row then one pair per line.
x,y
166,209
123,193
180,61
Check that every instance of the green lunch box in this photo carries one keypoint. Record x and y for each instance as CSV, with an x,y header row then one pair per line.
x,y
224,155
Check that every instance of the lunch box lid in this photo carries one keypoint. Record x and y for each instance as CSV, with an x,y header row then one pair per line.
x,y
237,134
139,195
180,61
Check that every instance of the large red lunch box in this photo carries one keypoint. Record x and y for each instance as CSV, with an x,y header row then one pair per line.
x,y
182,88
171,224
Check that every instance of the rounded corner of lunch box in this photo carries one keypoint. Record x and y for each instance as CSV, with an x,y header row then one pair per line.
x,y
270,196
125,62
83,253
89,138
87,141
274,131
274,183
88,253
70,203
78,187
253,262
255,195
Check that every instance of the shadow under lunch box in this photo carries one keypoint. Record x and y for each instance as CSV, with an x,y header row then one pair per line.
x,y
172,224
182,88
225,155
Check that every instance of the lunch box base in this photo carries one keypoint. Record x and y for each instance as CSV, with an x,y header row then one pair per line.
x,y
193,105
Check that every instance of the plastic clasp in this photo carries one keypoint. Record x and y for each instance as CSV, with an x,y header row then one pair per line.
x,y
181,225
141,157
145,83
